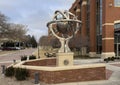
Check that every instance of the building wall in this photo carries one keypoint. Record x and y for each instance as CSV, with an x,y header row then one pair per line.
x,y
110,14
79,8
86,13
89,28
83,19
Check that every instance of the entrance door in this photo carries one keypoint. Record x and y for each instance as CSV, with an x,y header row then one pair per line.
x,y
118,49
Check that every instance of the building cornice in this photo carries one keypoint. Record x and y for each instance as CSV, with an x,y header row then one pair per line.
x,y
107,24
108,38
84,2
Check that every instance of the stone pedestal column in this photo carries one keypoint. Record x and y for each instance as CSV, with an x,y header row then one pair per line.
x,y
65,59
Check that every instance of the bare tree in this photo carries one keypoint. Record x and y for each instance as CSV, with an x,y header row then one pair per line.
x,y
11,31
54,42
44,41
17,32
78,42
4,26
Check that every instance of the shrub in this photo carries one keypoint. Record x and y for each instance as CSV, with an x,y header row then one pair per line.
x,y
23,58
115,57
21,74
9,72
106,60
109,58
118,58
54,54
32,57
112,58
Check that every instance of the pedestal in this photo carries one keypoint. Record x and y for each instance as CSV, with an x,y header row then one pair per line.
x,y
65,59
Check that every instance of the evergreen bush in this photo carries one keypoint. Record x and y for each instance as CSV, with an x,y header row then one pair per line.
x,y
9,72
32,57
21,74
23,58
118,58
112,58
106,60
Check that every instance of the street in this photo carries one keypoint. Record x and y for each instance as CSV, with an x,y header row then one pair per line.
x,y
7,59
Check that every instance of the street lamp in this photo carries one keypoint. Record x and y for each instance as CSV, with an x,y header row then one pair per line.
x,y
38,51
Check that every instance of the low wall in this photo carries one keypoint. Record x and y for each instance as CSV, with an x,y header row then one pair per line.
x,y
76,75
65,74
42,62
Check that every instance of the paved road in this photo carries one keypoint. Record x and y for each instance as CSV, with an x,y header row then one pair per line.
x,y
16,55
7,59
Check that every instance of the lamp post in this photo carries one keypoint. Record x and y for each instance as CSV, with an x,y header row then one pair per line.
x,y
38,51
3,69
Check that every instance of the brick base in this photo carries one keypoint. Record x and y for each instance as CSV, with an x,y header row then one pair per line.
x,y
66,75
44,62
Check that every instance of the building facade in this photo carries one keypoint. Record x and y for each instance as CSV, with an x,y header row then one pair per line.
x,y
100,25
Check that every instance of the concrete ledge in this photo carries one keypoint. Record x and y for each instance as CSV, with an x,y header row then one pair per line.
x,y
43,68
48,68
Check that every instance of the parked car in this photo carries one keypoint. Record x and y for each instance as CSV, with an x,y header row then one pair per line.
x,y
11,48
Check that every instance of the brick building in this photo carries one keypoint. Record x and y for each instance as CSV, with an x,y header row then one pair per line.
x,y
100,25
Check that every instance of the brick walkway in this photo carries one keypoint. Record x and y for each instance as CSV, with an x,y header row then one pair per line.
x,y
116,65
108,74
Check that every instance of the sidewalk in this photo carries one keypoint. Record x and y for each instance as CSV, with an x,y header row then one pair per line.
x,y
113,80
7,59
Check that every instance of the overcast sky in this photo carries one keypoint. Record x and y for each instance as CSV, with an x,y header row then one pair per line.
x,y
33,13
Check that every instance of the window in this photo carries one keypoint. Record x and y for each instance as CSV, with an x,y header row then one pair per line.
x,y
117,3
117,25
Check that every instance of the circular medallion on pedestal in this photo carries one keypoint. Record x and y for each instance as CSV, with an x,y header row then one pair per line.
x,y
66,62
